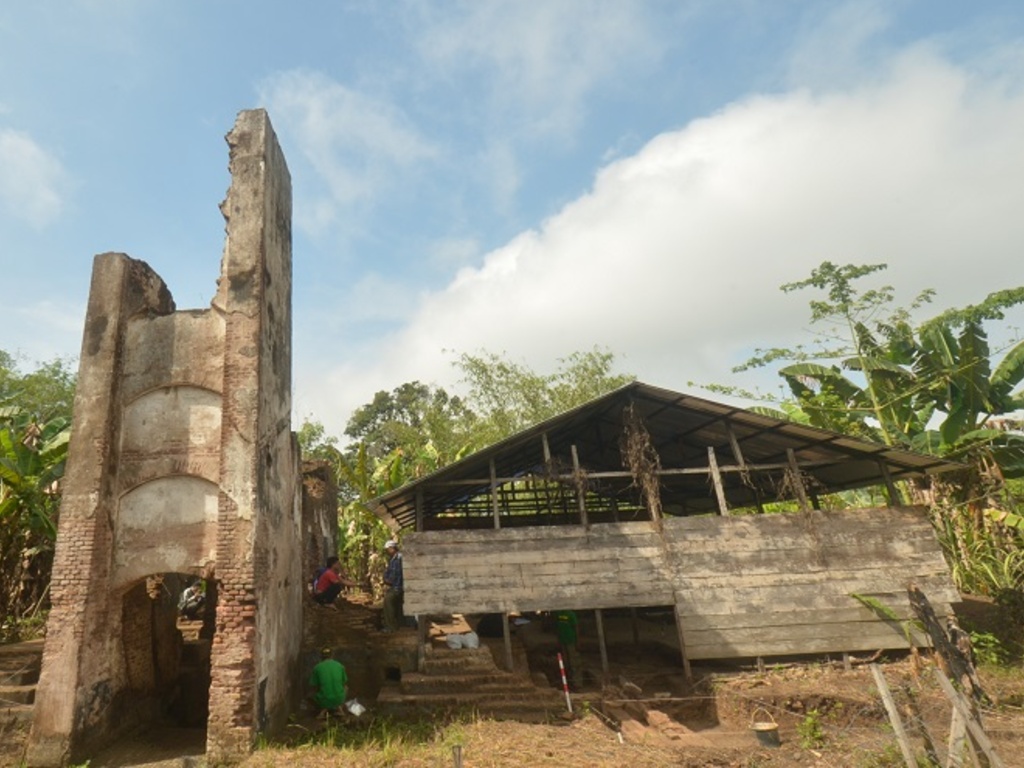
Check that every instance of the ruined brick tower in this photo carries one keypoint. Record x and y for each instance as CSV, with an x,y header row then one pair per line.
x,y
182,460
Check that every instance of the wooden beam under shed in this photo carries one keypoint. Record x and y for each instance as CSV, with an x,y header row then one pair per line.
x,y
581,497
601,644
716,479
895,499
494,495
507,633
797,481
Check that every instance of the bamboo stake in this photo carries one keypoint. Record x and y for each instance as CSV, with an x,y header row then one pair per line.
x,y
894,717
974,729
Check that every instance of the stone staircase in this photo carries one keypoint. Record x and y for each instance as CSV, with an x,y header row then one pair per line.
x,y
468,679
19,672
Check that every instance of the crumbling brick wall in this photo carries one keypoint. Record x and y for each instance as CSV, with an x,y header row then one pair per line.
x,y
182,460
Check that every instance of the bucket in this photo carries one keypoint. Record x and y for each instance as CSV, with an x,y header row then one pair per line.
x,y
765,728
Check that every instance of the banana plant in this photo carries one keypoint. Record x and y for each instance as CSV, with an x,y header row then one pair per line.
x,y
32,459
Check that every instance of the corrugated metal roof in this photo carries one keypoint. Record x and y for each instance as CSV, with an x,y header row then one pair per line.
x,y
681,429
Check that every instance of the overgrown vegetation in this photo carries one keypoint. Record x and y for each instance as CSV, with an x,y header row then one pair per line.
x,y
416,429
932,386
35,411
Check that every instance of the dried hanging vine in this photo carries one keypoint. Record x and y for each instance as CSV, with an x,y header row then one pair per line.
x,y
640,458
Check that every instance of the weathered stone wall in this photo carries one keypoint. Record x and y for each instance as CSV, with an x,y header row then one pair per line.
x,y
182,461
319,515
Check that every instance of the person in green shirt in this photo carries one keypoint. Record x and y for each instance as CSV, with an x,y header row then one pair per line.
x,y
329,681
567,628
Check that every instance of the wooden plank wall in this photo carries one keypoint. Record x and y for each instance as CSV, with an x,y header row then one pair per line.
x,y
763,585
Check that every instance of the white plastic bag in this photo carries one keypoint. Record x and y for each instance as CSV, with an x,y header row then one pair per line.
x,y
354,707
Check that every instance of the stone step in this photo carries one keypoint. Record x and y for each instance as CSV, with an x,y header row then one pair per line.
x,y
489,701
20,662
17,694
15,713
25,672
462,661
416,683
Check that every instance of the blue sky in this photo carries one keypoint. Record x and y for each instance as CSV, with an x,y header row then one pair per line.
x,y
530,178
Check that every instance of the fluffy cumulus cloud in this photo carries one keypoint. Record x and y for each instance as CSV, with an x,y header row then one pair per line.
x,y
673,259
32,180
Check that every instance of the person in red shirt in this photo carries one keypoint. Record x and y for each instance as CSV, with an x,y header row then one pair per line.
x,y
330,582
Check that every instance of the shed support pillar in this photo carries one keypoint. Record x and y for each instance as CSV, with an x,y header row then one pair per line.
x,y
509,662
682,642
601,642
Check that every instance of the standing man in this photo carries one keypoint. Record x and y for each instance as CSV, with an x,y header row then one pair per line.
x,y
394,597
329,682
567,628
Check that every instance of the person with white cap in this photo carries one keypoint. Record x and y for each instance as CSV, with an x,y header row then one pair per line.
x,y
394,585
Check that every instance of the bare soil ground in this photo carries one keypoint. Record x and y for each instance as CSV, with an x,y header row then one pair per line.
x,y
826,716
646,716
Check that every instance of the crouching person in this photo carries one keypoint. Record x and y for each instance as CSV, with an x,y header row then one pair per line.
x,y
329,583
329,682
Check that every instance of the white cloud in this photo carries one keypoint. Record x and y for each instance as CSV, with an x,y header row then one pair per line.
x,y
673,259
32,181
353,143
543,59
834,45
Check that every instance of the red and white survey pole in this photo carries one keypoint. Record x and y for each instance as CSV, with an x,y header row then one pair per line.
x,y
565,683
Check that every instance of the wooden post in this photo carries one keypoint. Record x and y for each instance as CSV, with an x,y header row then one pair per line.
x,y
494,495
687,672
734,444
797,481
581,500
546,447
893,493
716,479
509,663
601,643
419,508
421,644
894,717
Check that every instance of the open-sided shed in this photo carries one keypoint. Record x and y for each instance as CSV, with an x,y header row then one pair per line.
x,y
648,497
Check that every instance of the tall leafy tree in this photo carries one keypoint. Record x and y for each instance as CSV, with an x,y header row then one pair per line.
x,y
510,396
412,417
46,391
415,429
